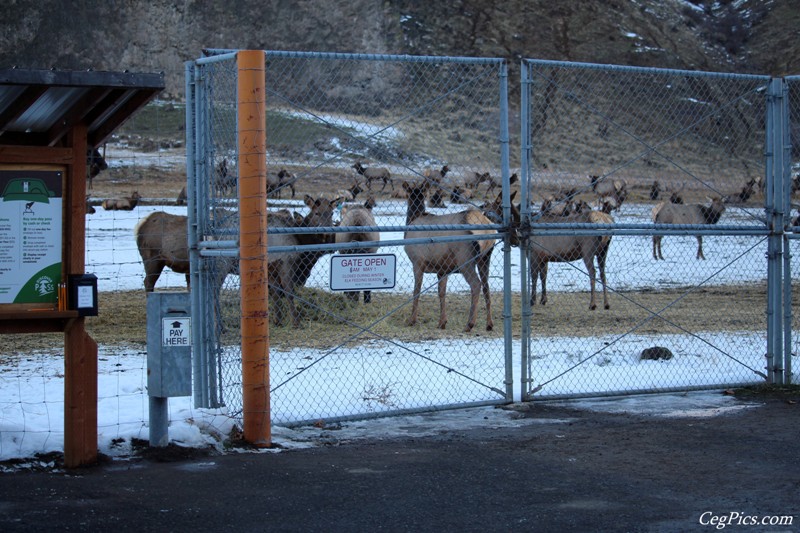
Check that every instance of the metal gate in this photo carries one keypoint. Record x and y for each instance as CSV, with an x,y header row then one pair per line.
x,y
333,122
632,141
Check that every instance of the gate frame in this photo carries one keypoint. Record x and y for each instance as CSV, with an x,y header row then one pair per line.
x,y
777,169
208,387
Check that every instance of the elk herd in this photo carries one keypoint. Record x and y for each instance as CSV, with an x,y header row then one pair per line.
x,y
162,242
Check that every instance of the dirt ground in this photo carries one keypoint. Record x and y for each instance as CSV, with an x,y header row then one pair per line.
x,y
558,467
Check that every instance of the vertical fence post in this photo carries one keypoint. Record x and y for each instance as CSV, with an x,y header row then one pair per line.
x,y
784,148
252,142
775,201
506,200
524,179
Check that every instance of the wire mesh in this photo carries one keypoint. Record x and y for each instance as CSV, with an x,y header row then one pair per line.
x,y
651,149
347,138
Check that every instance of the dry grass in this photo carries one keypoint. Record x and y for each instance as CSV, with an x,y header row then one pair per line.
x,y
329,319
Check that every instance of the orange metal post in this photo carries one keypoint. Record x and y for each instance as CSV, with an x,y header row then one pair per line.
x,y
253,246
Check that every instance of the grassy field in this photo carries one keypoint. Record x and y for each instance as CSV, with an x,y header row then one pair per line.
x,y
330,319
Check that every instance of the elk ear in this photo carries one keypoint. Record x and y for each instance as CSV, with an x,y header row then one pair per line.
x,y
308,200
406,186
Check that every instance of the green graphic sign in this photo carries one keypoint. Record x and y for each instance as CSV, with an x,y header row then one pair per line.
x,y
30,235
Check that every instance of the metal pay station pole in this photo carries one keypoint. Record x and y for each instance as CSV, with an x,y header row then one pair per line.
x,y
169,357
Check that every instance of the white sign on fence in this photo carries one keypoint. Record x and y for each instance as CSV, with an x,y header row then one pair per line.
x,y
359,272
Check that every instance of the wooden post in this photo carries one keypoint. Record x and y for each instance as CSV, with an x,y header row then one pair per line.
x,y
80,350
253,246
80,395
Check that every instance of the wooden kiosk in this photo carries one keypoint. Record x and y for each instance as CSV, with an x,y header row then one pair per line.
x,y
49,121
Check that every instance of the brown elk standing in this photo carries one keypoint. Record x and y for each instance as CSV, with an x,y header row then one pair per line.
x,y
569,248
95,163
289,270
224,179
669,213
277,182
372,174
127,203
162,240
470,258
358,216
181,199
610,192
437,198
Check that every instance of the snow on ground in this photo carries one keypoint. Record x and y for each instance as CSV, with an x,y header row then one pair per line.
x,y
31,394
373,379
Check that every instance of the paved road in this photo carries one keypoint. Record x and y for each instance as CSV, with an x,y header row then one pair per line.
x,y
560,469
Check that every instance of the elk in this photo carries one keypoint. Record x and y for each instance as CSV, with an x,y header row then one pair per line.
x,y
289,270
568,248
460,195
668,213
95,163
655,190
358,216
372,174
748,189
162,240
224,180
477,178
90,210
127,203
181,199
349,195
470,258
560,248
437,198
605,188
277,182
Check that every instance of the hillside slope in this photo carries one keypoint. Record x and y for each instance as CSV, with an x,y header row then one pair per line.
x,y
756,36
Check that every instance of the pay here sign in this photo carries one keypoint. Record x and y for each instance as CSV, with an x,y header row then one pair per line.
x,y
362,272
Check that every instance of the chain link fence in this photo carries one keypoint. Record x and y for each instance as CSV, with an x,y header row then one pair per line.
x,y
622,167
653,183
355,143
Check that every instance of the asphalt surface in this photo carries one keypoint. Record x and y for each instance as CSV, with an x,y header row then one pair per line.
x,y
558,468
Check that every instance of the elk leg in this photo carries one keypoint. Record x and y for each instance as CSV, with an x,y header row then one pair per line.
x,y
442,301
534,279
483,274
601,264
351,295
543,277
415,299
700,248
468,271
367,297
589,263
152,271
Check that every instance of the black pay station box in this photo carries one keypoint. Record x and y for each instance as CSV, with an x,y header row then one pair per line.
x,y
83,294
